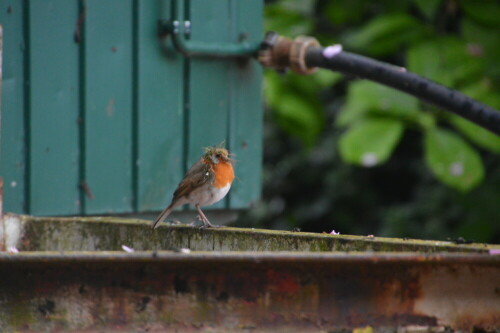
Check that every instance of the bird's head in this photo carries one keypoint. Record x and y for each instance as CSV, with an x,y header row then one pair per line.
x,y
215,155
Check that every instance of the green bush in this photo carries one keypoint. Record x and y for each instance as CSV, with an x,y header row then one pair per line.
x,y
354,156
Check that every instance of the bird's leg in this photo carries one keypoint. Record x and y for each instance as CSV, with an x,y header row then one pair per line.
x,y
204,219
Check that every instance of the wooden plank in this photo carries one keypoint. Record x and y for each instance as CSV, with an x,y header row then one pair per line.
x,y
12,161
246,107
208,104
108,106
54,153
160,110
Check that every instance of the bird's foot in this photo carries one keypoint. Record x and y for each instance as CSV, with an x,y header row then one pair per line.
x,y
207,226
206,223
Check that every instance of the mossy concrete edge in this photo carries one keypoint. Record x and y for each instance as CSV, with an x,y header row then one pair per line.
x,y
112,233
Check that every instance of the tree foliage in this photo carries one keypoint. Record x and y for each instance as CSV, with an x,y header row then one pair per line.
x,y
355,156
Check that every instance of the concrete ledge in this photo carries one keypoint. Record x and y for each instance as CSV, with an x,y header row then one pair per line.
x,y
109,234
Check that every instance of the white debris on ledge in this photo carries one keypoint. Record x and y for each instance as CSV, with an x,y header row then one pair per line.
x,y
12,250
127,249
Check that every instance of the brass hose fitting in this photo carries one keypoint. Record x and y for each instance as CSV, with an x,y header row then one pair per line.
x,y
281,53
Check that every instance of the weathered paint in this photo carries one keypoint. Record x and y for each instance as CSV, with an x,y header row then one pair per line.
x,y
293,292
123,115
160,91
53,107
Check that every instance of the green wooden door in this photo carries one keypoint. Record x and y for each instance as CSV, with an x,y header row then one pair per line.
x,y
100,115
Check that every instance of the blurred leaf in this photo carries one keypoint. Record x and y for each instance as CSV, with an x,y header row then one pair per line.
x,y
305,7
444,60
292,107
386,33
428,7
483,42
299,118
326,78
370,142
286,21
370,98
484,11
344,11
481,209
424,59
272,87
301,85
484,92
486,36
452,160
477,134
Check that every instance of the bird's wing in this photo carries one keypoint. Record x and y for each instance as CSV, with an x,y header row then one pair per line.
x,y
199,174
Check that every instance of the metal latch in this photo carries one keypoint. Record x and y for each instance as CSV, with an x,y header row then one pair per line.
x,y
179,28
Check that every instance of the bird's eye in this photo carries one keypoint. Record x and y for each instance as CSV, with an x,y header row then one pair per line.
x,y
218,155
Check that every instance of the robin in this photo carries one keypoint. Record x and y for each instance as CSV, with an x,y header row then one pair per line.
x,y
205,183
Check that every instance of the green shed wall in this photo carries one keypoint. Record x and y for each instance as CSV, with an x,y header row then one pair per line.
x,y
101,116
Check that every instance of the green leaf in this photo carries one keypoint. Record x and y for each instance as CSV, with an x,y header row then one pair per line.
x,y
477,134
486,12
292,99
325,78
386,34
299,117
428,7
485,92
286,20
370,142
444,60
273,87
426,60
368,98
452,160
340,12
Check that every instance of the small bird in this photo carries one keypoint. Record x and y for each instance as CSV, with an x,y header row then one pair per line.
x,y
205,183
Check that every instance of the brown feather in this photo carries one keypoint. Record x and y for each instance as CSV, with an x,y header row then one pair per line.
x,y
199,174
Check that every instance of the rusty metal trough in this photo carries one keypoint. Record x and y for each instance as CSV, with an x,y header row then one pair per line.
x,y
72,274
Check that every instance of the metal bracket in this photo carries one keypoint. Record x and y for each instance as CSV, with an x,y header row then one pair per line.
x,y
180,28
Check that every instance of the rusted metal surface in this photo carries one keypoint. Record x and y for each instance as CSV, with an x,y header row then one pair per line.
x,y
218,291
1,79
1,195
73,275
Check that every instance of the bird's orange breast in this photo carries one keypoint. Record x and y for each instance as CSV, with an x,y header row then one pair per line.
x,y
224,174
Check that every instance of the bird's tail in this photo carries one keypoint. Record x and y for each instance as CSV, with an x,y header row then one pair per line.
x,y
166,212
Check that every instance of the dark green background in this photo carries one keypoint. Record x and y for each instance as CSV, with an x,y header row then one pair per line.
x,y
312,176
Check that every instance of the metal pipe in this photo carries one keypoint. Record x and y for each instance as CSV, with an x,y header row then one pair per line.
x,y
303,56
398,78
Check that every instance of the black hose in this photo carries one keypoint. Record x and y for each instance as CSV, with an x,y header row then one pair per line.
x,y
398,78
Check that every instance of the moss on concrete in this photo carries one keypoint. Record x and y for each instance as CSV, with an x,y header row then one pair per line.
x,y
111,233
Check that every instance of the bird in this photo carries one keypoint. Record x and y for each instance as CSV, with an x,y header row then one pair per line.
x,y
205,183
